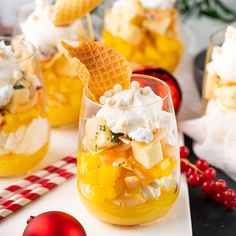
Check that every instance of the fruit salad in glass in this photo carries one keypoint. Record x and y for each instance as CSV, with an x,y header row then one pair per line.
x,y
220,77
145,32
63,88
24,127
128,158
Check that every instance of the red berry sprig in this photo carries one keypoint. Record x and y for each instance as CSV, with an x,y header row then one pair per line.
x,y
201,175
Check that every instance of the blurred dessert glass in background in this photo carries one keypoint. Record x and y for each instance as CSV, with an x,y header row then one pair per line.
x,y
217,144
220,76
63,88
24,127
146,32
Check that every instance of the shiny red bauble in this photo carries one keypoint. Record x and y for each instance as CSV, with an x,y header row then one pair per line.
x,y
54,223
169,79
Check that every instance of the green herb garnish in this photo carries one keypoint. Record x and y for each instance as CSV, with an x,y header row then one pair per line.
x,y
96,135
115,137
102,127
18,86
122,164
215,9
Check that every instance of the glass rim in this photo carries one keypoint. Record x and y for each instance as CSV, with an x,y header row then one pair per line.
x,y
219,30
32,50
161,99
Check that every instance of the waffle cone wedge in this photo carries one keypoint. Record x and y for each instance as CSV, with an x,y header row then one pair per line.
x,y
78,67
106,66
66,11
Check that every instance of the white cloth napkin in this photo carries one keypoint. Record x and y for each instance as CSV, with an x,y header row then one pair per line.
x,y
214,136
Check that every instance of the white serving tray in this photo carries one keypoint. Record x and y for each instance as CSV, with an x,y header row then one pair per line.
x,y
65,198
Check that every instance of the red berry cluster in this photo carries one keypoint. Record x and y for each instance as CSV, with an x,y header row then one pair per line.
x,y
201,175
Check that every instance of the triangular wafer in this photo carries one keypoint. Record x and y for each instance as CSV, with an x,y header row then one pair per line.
x,y
66,11
79,68
106,66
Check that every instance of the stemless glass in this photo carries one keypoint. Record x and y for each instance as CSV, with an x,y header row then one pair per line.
x,y
216,39
63,88
102,176
150,39
24,127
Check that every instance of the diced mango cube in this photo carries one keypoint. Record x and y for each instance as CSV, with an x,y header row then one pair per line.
x,y
109,185
108,39
12,121
162,43
92,161
138,57
148,155
125,49
90,177
165,167
175,45
70,85
108,175
151,54
98,135
75,99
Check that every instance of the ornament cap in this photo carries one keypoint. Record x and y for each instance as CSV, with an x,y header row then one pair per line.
x,y
30,218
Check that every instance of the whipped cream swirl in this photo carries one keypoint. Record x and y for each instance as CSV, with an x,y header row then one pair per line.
x,y
135,112
223,62
10,70
43,34
157,3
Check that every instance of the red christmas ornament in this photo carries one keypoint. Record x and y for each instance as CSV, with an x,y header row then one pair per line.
x,y
54,223
166,77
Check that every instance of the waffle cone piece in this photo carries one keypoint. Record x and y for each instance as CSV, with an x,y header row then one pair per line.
x,y
106,66
79,68
66,11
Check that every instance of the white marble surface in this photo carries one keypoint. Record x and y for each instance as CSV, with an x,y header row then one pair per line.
x,y
65,198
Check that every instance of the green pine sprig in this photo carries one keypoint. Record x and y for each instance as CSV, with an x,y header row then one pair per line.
x,y
215,9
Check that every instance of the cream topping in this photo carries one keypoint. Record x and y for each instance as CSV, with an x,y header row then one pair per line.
x,y
223,61
166,182
151,191
10,70
6,93
157,3
135,112
124,4
141,135
215,108
43,34
26,139
120,5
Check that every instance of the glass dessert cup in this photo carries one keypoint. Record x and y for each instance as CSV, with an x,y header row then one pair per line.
x,y
63,89
63,93
24,126
216,39
113,183
149,42
219,80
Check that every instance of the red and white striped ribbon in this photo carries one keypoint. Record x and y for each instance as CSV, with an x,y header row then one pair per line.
x,y
10,190
25,191
36,193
